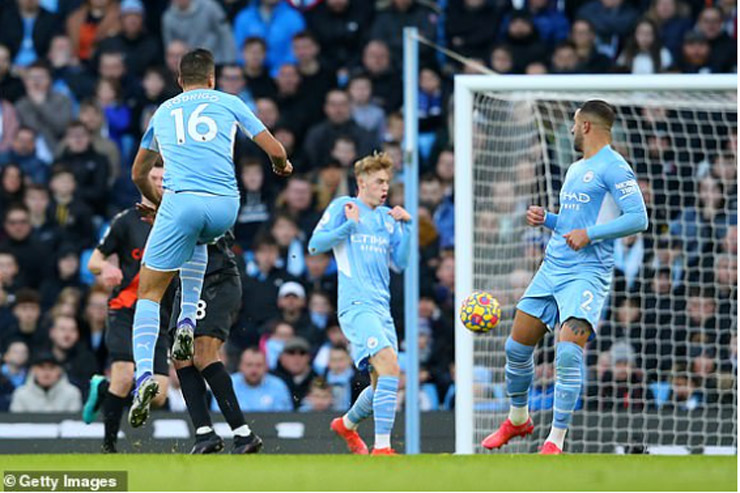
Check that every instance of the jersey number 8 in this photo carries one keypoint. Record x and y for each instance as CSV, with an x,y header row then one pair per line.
x,y
194,121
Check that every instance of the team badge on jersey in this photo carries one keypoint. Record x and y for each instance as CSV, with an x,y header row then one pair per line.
x,y
588,176
389,226
372,342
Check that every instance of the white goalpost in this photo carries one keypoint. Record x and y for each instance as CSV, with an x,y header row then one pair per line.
x,y
662,373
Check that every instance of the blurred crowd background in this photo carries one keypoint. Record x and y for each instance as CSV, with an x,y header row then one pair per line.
x,y
80,79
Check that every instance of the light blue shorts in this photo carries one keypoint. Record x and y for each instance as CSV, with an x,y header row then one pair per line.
x,y
184,220
556,294
368,331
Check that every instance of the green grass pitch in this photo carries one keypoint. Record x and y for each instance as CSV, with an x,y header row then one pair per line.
x,y
424,472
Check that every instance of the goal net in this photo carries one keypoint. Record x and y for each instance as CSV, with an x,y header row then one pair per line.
x,y
661,375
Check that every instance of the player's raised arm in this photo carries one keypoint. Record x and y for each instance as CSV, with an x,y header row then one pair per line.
x,y
625,191
401,240
338,222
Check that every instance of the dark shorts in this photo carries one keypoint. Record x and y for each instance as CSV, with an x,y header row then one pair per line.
x,y
218,308
118,340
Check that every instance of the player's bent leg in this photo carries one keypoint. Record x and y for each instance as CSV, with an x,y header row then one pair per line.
x,y
519,371
191,282
385,364
574,334
152,285
214,372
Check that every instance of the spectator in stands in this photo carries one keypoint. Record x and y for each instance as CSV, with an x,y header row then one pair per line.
x,y
389,23
174,51
672,24
90,168
431,107
622,385
387,88
612,21
92,22
273,341
30,254
723,49
643,53
10,277
109,95
297,201
255,389
291,242
319,397
260,289
523,40
502,59
256,202
339,375
45,111
47,390
254,51
94,322
202,24
8,125
23,154
91,115
682,393
15,365
542,393
70,216
26,316
551,25
231,81
564,59
37,201
319,276
11,87
321,136
367,114
294,368
333,179
274,21
444,289
26,29
65,275
291,302
584,38
704,373
141,50
340,26
12,185
74,356
471,26
320,310
316,78
69,76
334,338
704,223
297,107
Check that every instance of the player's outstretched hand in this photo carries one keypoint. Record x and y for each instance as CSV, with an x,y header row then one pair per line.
x,y
399,214
147,212
577,239
286,170
352,212
535,215
110,275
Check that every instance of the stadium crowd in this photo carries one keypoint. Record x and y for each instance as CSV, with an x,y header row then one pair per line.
x,y
79,80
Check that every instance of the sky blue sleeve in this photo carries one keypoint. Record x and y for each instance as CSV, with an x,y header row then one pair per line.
x,y
623,187
248,121
149,140
551,220
401,246
332,228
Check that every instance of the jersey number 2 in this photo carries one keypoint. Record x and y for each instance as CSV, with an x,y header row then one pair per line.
x,y
195,119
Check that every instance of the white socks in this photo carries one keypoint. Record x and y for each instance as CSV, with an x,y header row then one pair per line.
x,y
242,431
557,436
518,415
348,423
382,441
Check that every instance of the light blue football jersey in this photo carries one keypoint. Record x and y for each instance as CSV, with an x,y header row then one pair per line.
x,y
601,195
194,133
364,252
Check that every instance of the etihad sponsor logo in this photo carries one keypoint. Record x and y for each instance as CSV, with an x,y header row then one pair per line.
x,y
581,197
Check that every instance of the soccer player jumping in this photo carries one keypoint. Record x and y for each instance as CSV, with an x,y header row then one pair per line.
x,y
600,201
194,134
368,239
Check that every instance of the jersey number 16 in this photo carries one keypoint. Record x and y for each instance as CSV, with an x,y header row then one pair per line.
x,y
194,121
